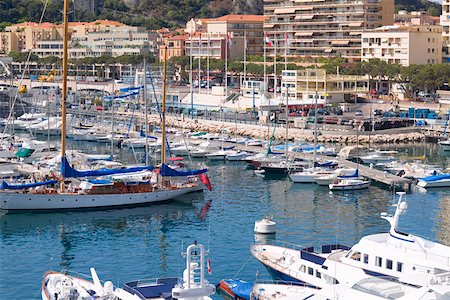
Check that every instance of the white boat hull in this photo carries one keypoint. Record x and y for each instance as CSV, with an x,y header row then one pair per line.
x,y
12,201
431,184
349,187
303,177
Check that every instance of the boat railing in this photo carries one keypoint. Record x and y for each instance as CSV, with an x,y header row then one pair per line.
x,y
293,283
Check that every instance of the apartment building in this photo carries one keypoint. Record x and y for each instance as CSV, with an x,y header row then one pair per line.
x,y
239,30
445,23
405,45
102,37
303,86
175,46
324,28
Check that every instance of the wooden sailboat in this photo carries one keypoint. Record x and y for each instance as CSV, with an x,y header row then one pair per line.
x,y
121,187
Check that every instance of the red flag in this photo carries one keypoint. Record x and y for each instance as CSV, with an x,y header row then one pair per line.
x,y
268,41
204,178
208,262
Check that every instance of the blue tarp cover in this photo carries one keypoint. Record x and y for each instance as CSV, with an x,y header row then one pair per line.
x,y
68,172
240,288
6,186
142,134
168,171
122,96
131,88
435,177
356,174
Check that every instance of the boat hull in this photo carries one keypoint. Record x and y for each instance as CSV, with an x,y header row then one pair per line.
x,y
349,187
302,178
432,184
12,201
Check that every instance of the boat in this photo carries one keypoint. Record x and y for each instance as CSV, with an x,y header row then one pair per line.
x,y
437,180
238,156
378,157
219,155
396,255
337,174
62,286
193,285
445,145
310,175
235,288
75,189
371,288
349,184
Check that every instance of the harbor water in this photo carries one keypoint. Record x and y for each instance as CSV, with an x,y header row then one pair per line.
x,y
146,242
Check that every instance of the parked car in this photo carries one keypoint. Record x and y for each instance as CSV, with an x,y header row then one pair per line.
x,y
358,113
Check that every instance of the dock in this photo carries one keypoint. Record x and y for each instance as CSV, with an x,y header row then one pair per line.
x,y
384,178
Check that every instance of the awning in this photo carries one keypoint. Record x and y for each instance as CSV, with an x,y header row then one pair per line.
x,y
278,11
304,33
304,8
354,24
355,33
268,25
328,50
343,42
304,17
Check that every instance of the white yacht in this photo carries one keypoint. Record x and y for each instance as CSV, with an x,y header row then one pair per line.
x,y
193,285
379,157
351,184
397,255
338,174
371,288
309,175
62,286
438,180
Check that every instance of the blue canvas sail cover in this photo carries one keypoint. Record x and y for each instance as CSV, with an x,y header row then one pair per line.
x,y
327,164
68,172
131,88
435,177
6,186
142,134
168,171
240,288
356,174
122,96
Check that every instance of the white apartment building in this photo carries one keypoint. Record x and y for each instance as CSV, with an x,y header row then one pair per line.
x,y
445,23
303,86
405,45
213,45
324,28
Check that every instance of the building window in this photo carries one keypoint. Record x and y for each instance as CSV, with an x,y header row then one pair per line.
x,y
378,261
399,267
366,258
389,264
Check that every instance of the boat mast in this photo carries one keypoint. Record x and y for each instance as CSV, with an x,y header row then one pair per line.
x,y
146,113
64,83
163,109
316,95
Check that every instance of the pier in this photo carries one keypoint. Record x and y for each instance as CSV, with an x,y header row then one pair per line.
x,y
384,178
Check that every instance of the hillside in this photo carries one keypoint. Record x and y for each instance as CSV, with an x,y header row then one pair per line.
x,y
152,14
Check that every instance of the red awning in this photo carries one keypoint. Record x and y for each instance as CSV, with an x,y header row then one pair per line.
x,y
176,159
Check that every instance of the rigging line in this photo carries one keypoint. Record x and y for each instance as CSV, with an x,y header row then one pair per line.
x,y
242,267
22,76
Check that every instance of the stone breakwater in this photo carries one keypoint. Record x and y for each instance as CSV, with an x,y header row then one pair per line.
x,y
261,132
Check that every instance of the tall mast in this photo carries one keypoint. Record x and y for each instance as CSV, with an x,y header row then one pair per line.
x,y
64,81
163,109
146,113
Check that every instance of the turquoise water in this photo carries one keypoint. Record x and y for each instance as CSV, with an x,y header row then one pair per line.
x,y
145,242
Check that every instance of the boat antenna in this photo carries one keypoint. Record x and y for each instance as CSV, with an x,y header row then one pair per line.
x,y
163,110
64,85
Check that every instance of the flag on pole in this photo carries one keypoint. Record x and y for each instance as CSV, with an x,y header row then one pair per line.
x,y
268,41
208,262
245,41
287,42
229,41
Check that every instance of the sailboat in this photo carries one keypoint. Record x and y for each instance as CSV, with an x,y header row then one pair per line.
x,y
69,192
